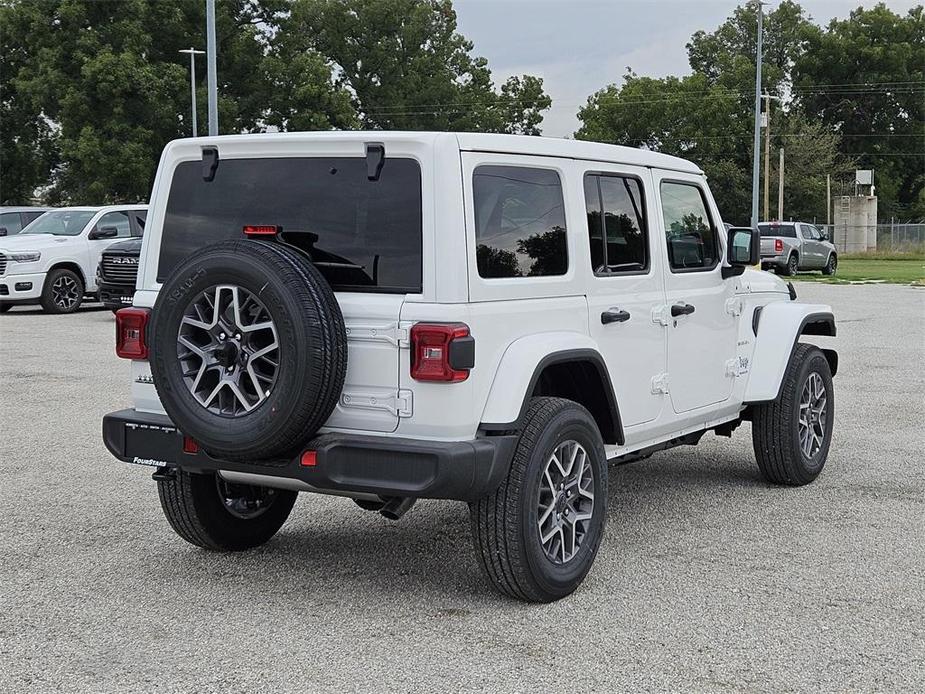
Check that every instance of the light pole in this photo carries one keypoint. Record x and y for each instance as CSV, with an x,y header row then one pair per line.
x,y
757,144
767,148
192,79
210,64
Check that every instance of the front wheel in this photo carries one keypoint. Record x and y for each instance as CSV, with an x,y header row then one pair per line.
x,y
791,435
537,535
63,291
5,307
212,513
831,265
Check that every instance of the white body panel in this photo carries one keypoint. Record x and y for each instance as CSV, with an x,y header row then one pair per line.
x,y
710,359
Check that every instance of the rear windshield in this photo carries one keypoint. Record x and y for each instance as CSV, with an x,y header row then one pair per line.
x,y
787,230
362,235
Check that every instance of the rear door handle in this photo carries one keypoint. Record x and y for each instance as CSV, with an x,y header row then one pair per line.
x,y
614,315
681,309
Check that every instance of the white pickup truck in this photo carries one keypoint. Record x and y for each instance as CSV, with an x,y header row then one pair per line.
x,y
53,260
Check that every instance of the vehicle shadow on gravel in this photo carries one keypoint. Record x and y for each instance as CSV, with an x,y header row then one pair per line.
x,y
333,548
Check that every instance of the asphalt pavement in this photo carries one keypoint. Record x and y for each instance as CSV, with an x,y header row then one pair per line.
x,y
708,579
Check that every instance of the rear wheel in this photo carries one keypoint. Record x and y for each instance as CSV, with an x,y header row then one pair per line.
x,y
791,435
537,535
831,265
793,265
209,512
63,291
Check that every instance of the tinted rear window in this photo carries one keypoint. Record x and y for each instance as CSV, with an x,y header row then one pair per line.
x,y
362,235
786,230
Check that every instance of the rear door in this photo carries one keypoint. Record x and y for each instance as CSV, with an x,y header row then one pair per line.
x,y
626,286
364,235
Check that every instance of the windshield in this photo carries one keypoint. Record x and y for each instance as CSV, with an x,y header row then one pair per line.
x,y
785,230
60,223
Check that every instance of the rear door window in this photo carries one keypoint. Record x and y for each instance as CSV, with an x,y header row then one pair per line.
x,y
362,235
11,222
616,224
519,222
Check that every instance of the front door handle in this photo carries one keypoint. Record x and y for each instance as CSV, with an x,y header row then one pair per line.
x,y
681,310
614,315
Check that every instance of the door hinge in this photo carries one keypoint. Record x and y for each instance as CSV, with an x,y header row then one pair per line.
x,y
661,315
391,333
734,306
400,404
660,384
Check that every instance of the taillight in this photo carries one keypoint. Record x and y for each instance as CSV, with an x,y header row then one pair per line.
x,y
261,230
778,246
131,325
441,352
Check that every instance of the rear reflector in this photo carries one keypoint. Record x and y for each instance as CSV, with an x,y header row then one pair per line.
x,y
261,230
131,338
441,352
190,446
309,459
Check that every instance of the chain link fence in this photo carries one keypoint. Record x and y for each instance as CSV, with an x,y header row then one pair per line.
x,y
891,238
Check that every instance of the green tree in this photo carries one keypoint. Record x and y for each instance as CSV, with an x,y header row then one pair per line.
x,y
409,69
865,78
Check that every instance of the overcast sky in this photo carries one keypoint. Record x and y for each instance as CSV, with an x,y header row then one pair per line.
x,y
578,46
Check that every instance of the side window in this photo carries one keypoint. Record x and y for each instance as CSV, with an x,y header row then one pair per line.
x,y
11,222
519,222
119,220
616,224
140,216
29,217
813,232
689,231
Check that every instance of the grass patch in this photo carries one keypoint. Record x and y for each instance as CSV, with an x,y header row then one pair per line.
x,y
872,270
917,253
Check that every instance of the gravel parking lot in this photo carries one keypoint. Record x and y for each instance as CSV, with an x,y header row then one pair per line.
x,y
708,579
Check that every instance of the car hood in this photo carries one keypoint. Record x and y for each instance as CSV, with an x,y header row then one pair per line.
x,y
33,242
760,281
129,247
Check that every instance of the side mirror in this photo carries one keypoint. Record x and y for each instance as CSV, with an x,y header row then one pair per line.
x,y
824,236
743,246
3,231
104,233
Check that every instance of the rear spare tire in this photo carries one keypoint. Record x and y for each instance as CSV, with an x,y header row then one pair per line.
x,y
248,349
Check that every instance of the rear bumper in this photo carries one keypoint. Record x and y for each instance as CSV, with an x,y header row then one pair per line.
x,y
116,295
344,463
779,260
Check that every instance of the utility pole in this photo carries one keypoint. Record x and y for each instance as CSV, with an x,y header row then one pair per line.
x,y
780,188
757,143
828,198
767,150
192,80
210,63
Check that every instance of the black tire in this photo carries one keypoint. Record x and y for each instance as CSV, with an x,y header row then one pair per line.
x,y
504,523
63,291
776,424
831,265
792,266
312,351
5,307
195,509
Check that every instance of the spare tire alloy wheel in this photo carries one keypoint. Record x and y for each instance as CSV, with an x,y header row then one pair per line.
x,y
229,350
248,350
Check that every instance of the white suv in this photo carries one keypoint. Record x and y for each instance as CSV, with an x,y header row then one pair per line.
x,y
487,318
53,260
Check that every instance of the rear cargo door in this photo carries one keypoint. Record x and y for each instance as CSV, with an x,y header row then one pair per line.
x,y
362,230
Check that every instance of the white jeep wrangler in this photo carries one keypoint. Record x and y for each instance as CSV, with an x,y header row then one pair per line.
x,y
487,318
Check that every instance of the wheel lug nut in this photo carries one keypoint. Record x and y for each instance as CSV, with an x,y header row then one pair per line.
x,y
237,336
222,336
